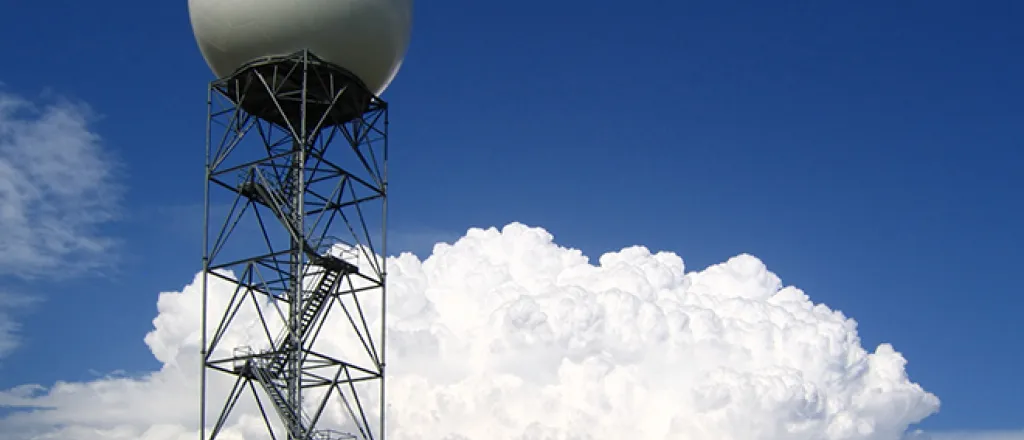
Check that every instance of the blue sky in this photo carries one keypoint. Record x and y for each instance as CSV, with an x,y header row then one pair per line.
x,y
869,153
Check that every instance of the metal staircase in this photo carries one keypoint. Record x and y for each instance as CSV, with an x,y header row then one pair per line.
x,y
269,367
259,189
312,307
295,422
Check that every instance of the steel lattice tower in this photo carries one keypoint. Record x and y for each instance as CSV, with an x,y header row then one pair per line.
x,y
297,171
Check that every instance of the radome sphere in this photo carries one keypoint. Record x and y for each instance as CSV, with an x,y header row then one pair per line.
x,y
367,37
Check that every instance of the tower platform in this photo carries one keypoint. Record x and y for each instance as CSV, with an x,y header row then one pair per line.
x,y
275,89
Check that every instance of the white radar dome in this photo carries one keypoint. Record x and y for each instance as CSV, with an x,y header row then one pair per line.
x,y
367,37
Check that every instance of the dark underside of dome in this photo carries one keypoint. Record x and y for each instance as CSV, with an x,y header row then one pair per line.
x,y
300,92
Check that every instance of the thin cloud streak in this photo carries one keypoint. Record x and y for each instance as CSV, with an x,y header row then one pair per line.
x,y
57,190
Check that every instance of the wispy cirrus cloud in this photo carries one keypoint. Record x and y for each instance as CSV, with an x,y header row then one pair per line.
x,y
10,304
57,191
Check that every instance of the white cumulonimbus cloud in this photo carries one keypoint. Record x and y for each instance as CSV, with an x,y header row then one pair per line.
x,y
505,335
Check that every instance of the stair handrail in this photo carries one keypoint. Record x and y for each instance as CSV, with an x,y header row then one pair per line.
x,y
331,434
324,249
349,252
251,176
240,357
281,340
283,334
264,378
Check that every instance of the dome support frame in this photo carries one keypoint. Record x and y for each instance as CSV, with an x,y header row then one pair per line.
x,y
303,229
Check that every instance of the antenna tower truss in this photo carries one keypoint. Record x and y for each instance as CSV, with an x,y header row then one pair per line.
x,y
293,281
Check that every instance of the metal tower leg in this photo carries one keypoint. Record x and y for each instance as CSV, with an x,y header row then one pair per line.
x,y
296,162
